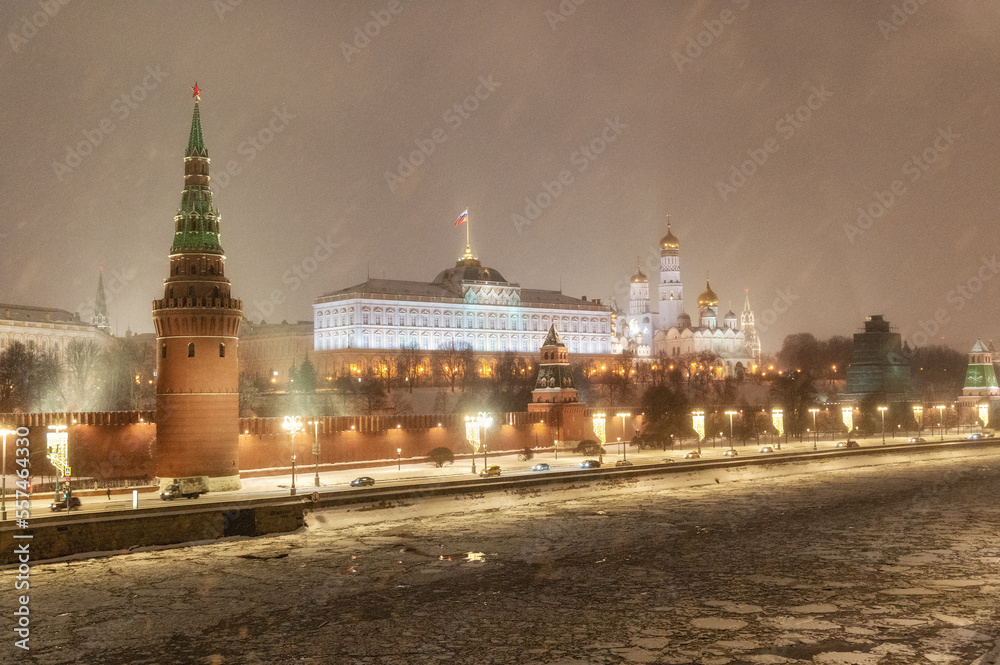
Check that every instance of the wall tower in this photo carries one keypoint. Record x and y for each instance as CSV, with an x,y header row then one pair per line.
x,y
197,326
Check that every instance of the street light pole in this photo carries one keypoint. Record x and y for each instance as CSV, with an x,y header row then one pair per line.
x,y
814,411
881,410
730,414
399,463
315,424
293,424
940,409
4,433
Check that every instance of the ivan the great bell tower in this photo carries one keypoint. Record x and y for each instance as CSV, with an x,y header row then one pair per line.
x,y
197,323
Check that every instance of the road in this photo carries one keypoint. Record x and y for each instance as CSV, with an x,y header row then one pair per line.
x,y
416,473
889,564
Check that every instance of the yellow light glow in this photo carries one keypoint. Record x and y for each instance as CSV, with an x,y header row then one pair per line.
x,y
984,413
599,428
848,414
472,433
698,419
778,418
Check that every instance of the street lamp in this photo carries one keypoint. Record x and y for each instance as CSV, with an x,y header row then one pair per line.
x,y
918,415
4,433
814,411
293,424
315,424
623,416
940,408
730,414
882,410
485,421
399,464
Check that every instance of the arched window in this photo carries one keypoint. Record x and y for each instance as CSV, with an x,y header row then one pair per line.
x,y
191,350
194,270
222,350
163,351
211,270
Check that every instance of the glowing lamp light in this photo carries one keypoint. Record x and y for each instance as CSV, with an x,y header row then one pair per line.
x,y
57,448
698,420
778,418
599,428
984,413
847,413
472,433
918,415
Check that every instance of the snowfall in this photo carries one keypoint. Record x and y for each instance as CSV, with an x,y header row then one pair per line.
x,y
856,561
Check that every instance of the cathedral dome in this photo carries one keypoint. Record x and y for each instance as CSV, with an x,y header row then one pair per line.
x,y
639,277
669,241
684,320
708,298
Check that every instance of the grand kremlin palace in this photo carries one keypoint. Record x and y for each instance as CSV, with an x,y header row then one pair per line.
x,y
468,306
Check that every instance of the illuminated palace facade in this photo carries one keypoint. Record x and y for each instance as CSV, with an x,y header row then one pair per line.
x,y
733,341
468,306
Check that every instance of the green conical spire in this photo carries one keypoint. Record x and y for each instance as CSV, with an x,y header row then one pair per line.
x,y
196,142
196,224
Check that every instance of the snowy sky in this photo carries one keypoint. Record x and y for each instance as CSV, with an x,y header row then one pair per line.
x,y
608,118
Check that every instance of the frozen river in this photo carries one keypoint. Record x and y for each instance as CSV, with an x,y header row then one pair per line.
x,y
898,563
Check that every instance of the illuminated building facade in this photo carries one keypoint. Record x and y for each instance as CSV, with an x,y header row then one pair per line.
x,y
468,306
732,341
197,326
45,328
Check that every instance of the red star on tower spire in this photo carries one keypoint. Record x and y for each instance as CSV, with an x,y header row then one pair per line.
x,y
197,91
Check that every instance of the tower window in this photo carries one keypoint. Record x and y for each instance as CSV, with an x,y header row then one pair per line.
x,y
191,350
211,270
163,351
222,350
194,270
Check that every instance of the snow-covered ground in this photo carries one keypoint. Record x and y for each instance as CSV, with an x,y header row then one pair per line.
x,y
897,563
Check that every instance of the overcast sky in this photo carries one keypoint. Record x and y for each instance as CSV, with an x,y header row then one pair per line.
x,y
665,98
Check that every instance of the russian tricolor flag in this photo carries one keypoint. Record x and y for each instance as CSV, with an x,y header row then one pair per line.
x,y
464,217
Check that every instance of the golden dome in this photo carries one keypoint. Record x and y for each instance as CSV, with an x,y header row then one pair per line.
x,y
708,298
639,277
669,241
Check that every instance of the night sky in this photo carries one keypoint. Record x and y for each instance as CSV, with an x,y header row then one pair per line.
x,y
892,109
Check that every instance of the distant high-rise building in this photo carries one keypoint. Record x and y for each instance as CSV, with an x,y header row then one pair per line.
x,y
197,326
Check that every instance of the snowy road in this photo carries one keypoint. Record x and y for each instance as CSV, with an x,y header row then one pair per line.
x,y
892,564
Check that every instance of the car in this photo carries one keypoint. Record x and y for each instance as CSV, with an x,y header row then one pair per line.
x,y
590,464
730,453
667,460
765,449
363,481
623,462
493,470
541,466
74,502
847,444
977,436
694,454
917,439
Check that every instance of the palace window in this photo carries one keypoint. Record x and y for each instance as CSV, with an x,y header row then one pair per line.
x,y
191,350
222,350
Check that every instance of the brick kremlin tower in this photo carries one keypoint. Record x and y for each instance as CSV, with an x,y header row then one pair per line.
x,y
197,323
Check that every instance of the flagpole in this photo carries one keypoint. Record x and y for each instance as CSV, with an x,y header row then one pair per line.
x,y
468,246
